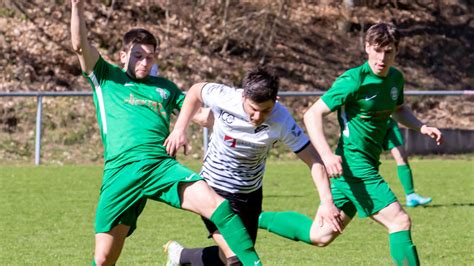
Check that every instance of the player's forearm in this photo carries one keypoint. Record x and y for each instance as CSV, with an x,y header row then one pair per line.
x,y
406,117
78,27
313,120
322,183
318,172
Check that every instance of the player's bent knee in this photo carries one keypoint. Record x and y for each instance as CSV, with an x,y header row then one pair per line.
x,y
405,222
323,240
102,259
402,222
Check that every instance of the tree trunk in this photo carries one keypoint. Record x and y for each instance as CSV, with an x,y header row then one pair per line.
x,y
224,27
344,23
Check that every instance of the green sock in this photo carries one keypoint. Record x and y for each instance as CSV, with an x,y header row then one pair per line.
x,y
235,234
291,225
93,262
406,178
402,250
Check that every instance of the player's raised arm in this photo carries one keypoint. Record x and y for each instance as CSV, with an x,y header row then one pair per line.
x,y
327,212
313,120
191,105
88,54
405,116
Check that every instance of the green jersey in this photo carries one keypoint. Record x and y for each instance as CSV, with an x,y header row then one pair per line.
x,y
364,102
133,115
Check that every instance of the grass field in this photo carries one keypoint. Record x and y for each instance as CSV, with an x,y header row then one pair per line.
x,y
47,218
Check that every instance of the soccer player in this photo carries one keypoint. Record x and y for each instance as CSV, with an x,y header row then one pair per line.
x,y
248,122
394,142
133,111
364,98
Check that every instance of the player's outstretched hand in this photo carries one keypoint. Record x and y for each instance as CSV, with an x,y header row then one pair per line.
x,y
333,164
174,141
433,133
329,213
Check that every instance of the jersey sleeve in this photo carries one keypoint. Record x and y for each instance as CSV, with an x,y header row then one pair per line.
x,y
213,93
343,90
292,135
100,71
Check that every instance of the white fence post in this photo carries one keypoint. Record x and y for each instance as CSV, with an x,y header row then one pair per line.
x,y
39,112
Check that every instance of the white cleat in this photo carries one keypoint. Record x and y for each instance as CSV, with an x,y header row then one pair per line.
x,y
414,200
173,249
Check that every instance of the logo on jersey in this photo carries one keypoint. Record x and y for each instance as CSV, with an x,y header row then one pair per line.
x,y
296,131
214,88
155,106
227,117
394,93
260,128
368,98
230,141
164,94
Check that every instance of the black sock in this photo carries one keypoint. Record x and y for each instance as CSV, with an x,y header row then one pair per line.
x,y
208,256
233,261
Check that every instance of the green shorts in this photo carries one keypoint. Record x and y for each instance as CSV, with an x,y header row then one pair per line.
x,y
125,190
394,137
367,195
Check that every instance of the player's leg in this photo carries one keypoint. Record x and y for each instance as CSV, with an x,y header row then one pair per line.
x,y
120,204
198,197
289,224
406,178
247,206
374,198
179,255
394,142
172,183
398,223
403,169
322,234
109,245
299,227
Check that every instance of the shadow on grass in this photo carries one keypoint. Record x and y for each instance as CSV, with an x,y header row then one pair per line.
x,y
467,204
283,196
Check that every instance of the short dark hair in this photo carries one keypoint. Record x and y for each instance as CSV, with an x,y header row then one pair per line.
x,y
261,84
140,36
383,34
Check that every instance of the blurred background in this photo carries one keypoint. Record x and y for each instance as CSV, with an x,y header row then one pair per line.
x,y
309,43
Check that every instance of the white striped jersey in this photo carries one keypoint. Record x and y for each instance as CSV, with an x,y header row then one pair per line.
x,y
237,152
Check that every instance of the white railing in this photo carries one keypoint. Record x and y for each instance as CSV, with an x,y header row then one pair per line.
x,y
39,96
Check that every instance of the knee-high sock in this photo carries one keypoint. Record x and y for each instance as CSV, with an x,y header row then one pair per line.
x,y
235,234
406,178
201,256
291,225
402,250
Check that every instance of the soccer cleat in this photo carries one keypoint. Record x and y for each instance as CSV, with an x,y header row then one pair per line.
x,y
173,249
414,200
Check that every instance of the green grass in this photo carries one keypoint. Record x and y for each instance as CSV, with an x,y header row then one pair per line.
x,y
47,218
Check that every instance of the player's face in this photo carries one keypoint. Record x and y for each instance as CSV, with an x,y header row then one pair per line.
x,y
381,58
258,112
139,60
